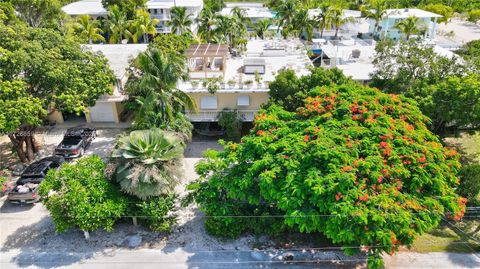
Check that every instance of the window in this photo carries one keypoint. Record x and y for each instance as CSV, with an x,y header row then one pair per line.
x,y
243,100
155,11
208,102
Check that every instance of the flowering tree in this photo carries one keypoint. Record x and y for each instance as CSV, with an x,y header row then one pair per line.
x,y
353,163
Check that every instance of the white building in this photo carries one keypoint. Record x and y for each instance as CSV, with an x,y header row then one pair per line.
x,y
253,11
427,21
243,81
94,8
161,10
351,27
108,107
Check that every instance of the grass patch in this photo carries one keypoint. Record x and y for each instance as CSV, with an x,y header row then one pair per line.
x,y
448,239
468,144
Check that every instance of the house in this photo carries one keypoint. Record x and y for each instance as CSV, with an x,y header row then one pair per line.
x,y
161,10
94,8
386,28
109,106
351,27
253,11
241,82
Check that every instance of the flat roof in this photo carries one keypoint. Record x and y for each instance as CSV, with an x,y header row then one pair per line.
x,y
173,3
251,12
347,13
254,61
119,55
358,71
85,7
403,13
207,50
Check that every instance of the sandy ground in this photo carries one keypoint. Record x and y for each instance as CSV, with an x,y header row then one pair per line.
x,y
463,31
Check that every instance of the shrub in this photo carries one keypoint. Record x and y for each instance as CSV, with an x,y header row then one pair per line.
x,y
79,195
231,123
148,162
353,163
470,183
154,212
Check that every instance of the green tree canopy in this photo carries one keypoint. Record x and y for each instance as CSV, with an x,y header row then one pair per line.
x,y
39,13
79,195
353,163
55,70
127,6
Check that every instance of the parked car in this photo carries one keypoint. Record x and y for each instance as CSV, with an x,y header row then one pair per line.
x,y
26,187
75,142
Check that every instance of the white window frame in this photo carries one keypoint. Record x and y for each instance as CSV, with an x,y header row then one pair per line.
x,y
243,100
208,102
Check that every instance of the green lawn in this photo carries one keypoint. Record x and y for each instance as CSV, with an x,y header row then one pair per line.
x,y
445,238
467,144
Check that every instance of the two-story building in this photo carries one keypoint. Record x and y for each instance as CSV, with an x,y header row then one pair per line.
x,y
161,10
427,21
254,12
241,82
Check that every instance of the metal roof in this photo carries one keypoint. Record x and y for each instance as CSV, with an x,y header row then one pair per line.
x,y
207,50
85,7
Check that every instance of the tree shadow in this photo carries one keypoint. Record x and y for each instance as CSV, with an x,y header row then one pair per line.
x,y
8,207
39,245
466,250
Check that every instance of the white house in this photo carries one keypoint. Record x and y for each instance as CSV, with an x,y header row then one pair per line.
x,y
427,20
109,107
253,11
161,10
351,27
94,8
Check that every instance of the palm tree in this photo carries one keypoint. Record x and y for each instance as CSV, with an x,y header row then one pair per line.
x,y
375,10
143,25
302,23
322,17
285,12
206,21
336,19
148,162
89,29
239,13
261,27
118,25
409,26
180,21
160,74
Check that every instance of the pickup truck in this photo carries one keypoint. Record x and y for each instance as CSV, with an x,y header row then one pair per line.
x,y
26,187
75,142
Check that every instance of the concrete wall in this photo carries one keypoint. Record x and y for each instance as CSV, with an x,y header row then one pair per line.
x,y
229,100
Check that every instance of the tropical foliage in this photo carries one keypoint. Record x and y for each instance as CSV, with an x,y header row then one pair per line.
x,y
409,26
470,183
148,162
89,30
353,163
172,43
471,52
143,26
376,11
231,123
445,88
445,11
119,26
56,74
79,195
180,21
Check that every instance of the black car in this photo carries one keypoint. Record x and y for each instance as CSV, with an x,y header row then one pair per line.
x,y
25,189
75,142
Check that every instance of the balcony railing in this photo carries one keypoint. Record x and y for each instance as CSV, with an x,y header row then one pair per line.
x,y
163,29
212,115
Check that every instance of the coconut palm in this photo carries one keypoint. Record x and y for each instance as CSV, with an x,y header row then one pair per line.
x,y
148,162
322,17
336,19
206,21
118,25
261,27
409,26
160,74
89,29
285,12
376,11
302,23
239,13
143,26
180,21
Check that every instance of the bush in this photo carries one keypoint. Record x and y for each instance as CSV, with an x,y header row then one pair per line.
x,y
353,163
79,195
148,162
470,183
154,212
231,123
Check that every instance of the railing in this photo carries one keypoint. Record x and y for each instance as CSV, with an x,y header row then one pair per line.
x,y
212,115
163,29
160,16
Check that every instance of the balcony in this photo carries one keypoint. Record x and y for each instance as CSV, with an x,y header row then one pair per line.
x,y
162,17
163,29
212,115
